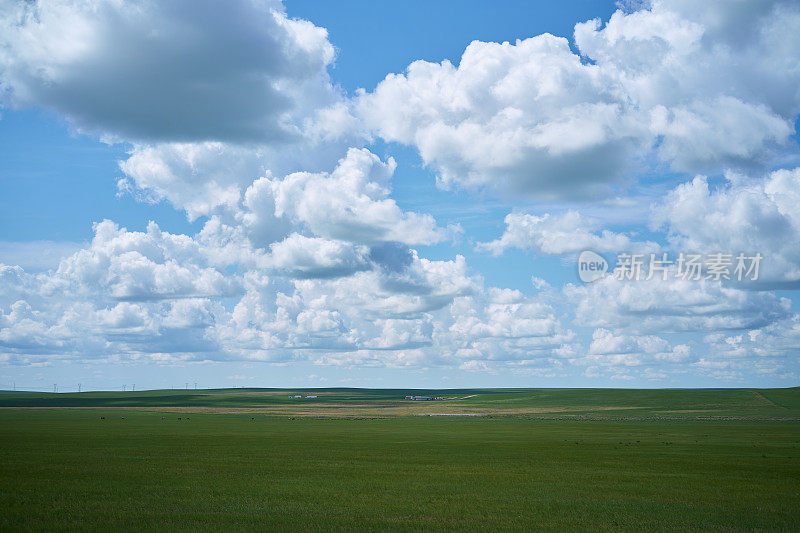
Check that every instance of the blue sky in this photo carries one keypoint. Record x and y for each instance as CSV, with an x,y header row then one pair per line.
x,y
395,194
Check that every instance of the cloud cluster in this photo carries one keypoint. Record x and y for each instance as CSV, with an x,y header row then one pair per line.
x,y
674,305
703,88
744,215
210,96
177,71
141,266
171,298
610,348
208,178
127,294
231,116
566,233
350,203
656,329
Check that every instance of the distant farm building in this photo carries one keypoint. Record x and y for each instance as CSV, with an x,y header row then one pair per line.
x,y
428,398
310,396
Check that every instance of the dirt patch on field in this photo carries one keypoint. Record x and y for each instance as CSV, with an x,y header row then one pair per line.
x,y
681,411
364,413
383,409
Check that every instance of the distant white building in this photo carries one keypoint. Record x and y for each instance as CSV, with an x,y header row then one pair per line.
x,y
425,398
310,396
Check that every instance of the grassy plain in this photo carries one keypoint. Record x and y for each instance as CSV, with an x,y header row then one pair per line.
x,y
344,402
352,459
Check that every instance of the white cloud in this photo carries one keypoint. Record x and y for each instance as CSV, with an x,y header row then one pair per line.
x,y
164,297
691,136
529,117
352,203
539,283
199,178
403,334
126,295
375,317
617,348
780,339
504,325
240,71
402,291
605,342
744,215
204,178
702,87
210,96
349,203
558,235
306,257
142,266
667,306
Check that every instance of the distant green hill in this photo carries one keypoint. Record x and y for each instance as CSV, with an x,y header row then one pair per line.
x,y
667,403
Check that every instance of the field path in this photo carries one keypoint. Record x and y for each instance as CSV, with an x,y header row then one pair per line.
x,y
767,401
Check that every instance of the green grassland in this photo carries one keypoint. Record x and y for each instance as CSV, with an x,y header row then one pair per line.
x,y
340,402
538,459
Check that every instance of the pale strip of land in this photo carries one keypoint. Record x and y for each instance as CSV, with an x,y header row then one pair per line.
x,y
339,411
383,409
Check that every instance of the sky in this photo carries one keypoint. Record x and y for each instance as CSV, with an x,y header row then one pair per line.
x,y
399,194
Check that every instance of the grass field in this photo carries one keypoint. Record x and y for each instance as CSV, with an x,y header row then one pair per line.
x,y
577,403
353,459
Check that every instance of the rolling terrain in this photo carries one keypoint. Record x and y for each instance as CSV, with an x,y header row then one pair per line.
x,y
360,459
338,402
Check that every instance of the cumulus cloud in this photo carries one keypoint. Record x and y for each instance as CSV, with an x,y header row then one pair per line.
x,y
127,294
377,317
173,297
142,266
559,234
207,178
239,71
159,296
605,342
199,178
306,257
48,326
743,215
780,340
209,96
420,286
617,348
524,116
351,203
505,325
674,305
702,87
